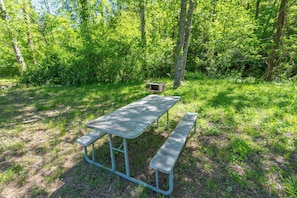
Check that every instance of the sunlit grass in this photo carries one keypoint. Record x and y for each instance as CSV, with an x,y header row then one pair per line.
x,y
5,81
11,173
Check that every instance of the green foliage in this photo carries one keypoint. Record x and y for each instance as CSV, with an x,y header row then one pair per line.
x,y
290,184
11,173
159,58
101,42
239,150
55,68
8,65
9,71
110,55
228,43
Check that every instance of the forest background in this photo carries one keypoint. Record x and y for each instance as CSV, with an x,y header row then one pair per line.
x,y
73,42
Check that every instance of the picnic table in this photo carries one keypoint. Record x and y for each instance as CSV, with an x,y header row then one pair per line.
x,y
130,122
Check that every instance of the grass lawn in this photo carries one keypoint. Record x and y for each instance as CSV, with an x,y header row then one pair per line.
x,y
245,145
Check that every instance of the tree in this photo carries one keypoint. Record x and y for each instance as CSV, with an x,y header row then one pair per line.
x,y
187,37
85,17
142,9
257,8
272,58
142,5
17,51
29,32
84,41
183,40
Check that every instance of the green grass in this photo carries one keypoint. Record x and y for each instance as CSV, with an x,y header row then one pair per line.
x,y
245,145
10,173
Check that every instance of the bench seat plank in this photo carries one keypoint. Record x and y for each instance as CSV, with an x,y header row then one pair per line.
x,y
169,152
90,138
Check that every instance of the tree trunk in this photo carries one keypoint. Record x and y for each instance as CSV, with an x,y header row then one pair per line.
x,y
257,8
214,11
18,54
187,36
142,9
29,33
15,46
84,24
180,44
142,22
271,60
184,33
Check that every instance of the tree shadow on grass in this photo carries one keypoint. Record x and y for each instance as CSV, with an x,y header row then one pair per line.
x,y
227,98
240,97
39,126
35,104
209,166
214,166
250,163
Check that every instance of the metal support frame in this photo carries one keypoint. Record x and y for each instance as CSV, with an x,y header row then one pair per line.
x,y
169,191
168,119
127,174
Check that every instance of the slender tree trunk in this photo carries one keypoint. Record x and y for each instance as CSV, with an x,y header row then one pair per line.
x,y
29,33
187,36
18,54
142,22
17,51
271,61
142,10
180,44
184,33
84,25
257,8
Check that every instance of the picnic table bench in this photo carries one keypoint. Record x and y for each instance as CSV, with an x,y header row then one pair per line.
x,y
88,139
167,156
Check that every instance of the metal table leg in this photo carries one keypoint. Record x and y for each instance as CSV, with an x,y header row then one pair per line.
x,y
126,157
112,158
167,119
